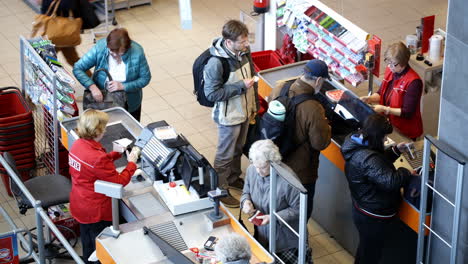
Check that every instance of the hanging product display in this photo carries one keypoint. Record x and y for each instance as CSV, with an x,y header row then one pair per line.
x,y
321,32
40,87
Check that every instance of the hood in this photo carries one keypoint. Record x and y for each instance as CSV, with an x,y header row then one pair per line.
x,y
352,143
219,49
301,87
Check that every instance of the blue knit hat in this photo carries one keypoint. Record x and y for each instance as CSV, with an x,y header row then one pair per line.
x,y
277,110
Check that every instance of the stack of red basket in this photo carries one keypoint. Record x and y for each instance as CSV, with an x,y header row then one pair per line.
x,y
16,133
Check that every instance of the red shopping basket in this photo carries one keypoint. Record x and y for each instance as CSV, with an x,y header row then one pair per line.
x,y
14,107
265,60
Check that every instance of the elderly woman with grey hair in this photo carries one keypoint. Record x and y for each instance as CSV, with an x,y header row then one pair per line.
x,y
256,196
233,249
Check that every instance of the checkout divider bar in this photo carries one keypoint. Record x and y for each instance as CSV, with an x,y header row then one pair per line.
x,y
41,216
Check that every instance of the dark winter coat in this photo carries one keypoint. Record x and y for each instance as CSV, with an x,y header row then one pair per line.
x,y
311,128
373,180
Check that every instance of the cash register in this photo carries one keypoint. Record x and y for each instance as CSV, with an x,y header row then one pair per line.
x,y
181,175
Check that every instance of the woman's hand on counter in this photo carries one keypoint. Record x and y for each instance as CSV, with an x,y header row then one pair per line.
x,y
380,108
247,207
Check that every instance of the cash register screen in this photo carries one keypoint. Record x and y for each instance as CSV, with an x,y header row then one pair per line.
x,y
355,106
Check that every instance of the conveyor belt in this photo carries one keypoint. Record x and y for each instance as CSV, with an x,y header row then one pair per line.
x,y
168,231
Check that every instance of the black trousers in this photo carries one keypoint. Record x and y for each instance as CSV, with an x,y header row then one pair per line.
x,y
310,198
89,232
372,234
136,114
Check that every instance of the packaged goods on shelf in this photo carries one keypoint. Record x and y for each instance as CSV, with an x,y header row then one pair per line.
x,y
324,34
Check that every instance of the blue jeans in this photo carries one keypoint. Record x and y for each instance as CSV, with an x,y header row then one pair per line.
x,y
227,163
310,198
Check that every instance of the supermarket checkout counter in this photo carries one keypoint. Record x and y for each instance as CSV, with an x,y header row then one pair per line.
x,y
332,201
181,218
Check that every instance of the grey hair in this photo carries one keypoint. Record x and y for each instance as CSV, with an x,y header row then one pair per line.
x,y
263,151
232,247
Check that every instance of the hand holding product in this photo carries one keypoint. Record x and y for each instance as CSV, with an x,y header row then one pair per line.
x,y
380,108
133,156
258,218
249,83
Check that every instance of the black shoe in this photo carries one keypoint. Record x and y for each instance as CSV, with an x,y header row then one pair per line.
x,y
230,201
238,184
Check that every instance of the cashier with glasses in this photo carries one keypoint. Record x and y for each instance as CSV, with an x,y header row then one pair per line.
x,y
89,162
400,94
126,62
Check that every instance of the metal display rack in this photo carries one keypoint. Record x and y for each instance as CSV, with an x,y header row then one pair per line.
x,y
102,11
323,33
46,92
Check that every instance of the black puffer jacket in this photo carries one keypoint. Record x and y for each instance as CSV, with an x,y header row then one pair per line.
x,y
373,180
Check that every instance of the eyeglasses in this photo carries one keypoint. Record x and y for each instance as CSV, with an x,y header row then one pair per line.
x,y
390,63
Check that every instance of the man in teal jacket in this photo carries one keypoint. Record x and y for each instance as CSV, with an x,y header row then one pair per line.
x,y
126,62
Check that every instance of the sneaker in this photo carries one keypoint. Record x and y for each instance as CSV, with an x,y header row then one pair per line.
x,y
230,201
238,184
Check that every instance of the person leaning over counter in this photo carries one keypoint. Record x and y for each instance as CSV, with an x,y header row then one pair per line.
x,y
126,62
256,196
311,127
89,162
374,184
399,96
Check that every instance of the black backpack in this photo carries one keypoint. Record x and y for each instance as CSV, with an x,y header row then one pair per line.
x,y
199,81
282,132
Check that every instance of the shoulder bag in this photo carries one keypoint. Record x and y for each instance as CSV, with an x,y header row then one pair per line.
x,y
62,31
110,99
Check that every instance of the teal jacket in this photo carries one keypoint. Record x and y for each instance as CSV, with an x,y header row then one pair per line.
x,y
137,70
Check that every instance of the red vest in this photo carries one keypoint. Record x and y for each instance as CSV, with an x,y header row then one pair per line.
x,y
411,127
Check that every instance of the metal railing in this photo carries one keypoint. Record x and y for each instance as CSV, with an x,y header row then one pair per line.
x,y
275,171
41,218
451,153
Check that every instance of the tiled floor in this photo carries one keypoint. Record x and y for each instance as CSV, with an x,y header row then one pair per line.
x,y
171,52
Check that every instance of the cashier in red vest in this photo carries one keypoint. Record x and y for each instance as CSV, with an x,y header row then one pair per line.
x,y
399,96
89,162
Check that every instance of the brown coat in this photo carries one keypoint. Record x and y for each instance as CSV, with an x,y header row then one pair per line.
x,y
311,123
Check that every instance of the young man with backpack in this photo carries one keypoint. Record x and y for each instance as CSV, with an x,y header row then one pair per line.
x,y
234,98
311,132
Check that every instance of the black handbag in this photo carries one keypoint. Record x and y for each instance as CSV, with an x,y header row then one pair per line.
x,y
110,99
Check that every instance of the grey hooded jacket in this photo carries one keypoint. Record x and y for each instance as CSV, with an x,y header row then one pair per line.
x,y
233,102
257,189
